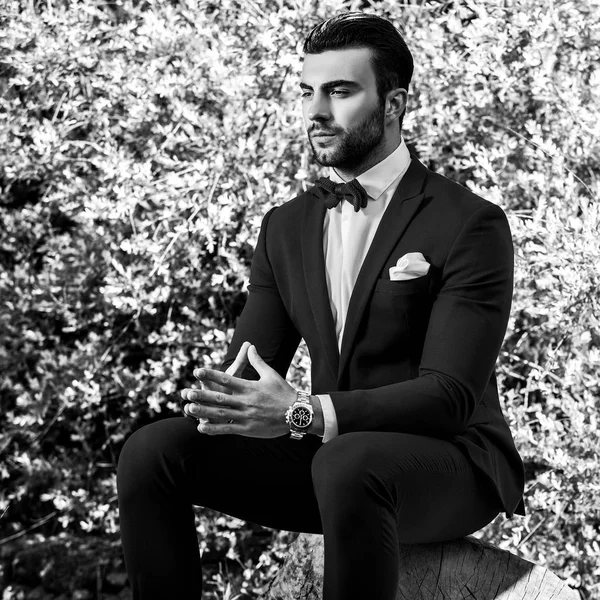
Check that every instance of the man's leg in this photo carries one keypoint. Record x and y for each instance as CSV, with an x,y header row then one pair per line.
x,y
167,466
377,490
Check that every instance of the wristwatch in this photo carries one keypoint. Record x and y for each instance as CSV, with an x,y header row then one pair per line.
x,y
299,415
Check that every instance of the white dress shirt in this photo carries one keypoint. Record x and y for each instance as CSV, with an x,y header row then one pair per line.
x,y
347,237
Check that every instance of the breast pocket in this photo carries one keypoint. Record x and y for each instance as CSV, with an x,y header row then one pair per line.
x,y
399,314
402,288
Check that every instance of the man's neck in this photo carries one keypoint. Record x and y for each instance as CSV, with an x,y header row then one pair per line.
x,y
380,153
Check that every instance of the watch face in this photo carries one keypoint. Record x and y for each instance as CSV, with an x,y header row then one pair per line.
x,y
301,417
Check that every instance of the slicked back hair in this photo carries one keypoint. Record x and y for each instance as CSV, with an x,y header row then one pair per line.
x,y
391,59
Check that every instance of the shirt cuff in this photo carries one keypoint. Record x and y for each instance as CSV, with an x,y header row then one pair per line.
x,y
329,417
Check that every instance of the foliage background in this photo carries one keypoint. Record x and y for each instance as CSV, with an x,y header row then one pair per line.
x,y
141,141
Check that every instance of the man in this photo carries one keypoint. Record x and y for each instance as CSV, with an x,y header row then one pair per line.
x,y
400,282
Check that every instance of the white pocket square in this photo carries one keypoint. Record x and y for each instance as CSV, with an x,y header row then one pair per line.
x,y
410,266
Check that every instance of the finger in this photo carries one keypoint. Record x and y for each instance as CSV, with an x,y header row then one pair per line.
x,y
210,397
221,428
189,395
214,377
260,366
240,362
215,414
214,387
185,407
186,391
184,403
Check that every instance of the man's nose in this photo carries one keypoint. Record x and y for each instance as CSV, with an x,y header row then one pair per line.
x,y
318,109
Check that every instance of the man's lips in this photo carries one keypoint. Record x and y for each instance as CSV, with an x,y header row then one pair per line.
x,y
321,135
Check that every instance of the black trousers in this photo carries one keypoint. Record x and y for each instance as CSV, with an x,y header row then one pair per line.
x,y
365,491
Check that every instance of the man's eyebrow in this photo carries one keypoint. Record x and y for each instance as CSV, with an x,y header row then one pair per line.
x,y
332,84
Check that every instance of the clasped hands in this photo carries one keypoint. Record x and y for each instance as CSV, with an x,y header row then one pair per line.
x,y
227,404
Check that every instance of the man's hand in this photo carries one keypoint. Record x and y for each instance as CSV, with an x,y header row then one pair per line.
x,y
257,408
236,368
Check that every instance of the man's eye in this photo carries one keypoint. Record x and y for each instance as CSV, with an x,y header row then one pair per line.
x,y
306,94
339,92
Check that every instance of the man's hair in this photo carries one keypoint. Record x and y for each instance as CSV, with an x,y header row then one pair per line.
x,y
391,59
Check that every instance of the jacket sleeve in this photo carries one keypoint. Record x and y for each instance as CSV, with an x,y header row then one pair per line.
x,y
264,321
464,335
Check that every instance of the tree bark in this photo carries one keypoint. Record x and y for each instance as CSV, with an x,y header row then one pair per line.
x,y
466,569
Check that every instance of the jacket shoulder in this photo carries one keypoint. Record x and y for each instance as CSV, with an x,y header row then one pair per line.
x,y
454,201
292,211
299,202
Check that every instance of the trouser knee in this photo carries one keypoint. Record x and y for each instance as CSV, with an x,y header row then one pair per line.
x,y
345,472
151,452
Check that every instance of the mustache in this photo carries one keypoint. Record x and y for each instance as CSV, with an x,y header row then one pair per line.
x,y
322,131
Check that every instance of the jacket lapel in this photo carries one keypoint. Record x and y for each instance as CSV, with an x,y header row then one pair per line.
x,y
313,262
395,220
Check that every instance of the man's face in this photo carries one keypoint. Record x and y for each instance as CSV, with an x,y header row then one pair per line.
x,y
343,114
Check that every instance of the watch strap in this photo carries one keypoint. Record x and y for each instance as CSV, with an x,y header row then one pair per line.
x,y
302,398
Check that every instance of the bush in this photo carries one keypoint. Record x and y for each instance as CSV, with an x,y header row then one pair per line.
x,y
141,143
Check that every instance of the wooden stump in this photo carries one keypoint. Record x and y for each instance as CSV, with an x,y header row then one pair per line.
x,y
466,569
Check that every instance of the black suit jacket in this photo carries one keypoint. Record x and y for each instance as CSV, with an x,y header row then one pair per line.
x,y
417,356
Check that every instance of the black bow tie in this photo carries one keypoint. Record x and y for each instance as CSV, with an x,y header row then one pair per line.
x,y
333,193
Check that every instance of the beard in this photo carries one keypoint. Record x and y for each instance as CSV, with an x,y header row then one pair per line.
x,y
353,147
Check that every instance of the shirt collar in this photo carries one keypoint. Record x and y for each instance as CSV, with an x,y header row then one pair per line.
x,y
380,176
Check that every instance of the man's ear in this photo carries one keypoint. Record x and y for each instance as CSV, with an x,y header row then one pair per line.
x,y
395,104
